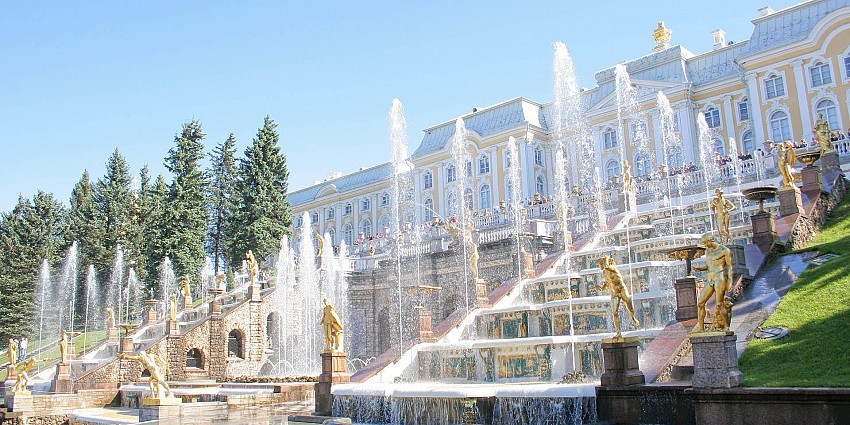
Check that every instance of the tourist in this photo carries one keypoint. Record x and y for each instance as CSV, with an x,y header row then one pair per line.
x,y
22,349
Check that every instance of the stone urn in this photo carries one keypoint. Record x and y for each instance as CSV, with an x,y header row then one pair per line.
x,y
760,194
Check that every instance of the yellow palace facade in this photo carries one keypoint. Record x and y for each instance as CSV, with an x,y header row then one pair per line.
x,y
771,87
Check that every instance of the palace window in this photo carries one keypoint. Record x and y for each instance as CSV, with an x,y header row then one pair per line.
x,y
538,156
638,132
719,147
485,198
451,204
780,127
743,110
299,221
540,186
348,234
347,209
427,180
747,142
774,87
509,189
609,138
712,117
429,209
820,74
612,169
385,199
332,235
234,344
675,157
508,159
330,213
366,227
467,199
365,204
467,168
451,174
829,111
484,164
314,217
643,164
847,66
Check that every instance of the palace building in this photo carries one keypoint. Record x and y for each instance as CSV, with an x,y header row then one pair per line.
x,y
769,88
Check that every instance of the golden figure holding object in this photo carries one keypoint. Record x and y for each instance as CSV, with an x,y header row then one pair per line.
x,y
332,327
787,159
721,207
718,265
158,368
613,281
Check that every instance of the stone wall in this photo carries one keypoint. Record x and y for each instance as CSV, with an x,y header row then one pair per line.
x,y
755,406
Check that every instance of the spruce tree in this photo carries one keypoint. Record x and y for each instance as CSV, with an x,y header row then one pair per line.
x,y
32,232
264,214
221,200
85,227
186,211
155,247
114,201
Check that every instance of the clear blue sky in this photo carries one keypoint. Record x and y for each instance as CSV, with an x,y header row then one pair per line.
x,y
78,79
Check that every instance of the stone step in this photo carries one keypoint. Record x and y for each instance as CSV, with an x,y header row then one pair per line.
x,y
682,372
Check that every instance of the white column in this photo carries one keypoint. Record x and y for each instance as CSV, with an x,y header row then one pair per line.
x,y
729,122
754,103
494,177
805,113
655,122
687,130
527,169
417,213
440,204
373,205
338,219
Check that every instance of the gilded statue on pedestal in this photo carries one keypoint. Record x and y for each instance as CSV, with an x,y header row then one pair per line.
x,y
186,284
823,134
455,233
253,267
23,378
158,368
627,177
787,159
332,327
172,307
110,317
63,347
718,265
613,281
661,35
12,351
320,245
721,207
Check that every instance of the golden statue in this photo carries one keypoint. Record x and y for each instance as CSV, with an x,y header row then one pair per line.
x,y
158,368
172,307
627,177
613,281
110,317
721,207
332,327
455,232
718,264
787,159
253,267
723,315
320,242
823,133
186,283
63,347
22,370
12,351
661,35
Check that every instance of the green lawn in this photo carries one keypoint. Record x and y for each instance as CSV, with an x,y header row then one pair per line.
x,y
817,311
94,338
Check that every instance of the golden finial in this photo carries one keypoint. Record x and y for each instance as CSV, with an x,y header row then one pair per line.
x,y
661,35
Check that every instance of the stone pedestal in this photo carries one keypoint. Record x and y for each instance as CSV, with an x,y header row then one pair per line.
x,y
333,372
62,379
830,163
790,201
254,292
113,335
150,311
172,327
625,201
715,360
621,362
481,299
19,401
739,260
127,345
686,298
764,230
426,333
11,373
187,302
812,181
215,306
165,410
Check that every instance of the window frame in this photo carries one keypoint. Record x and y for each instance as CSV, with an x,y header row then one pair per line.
x,y
771,82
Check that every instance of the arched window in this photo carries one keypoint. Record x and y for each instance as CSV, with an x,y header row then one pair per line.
x,y
719,146
451,204
332,234
383,222
467,168
314,217
747,143
195,359
830,113
612,169
780,127
365,203
235,344
468,199
429,209
643,164
330,213
484,164
427,180
712,117
348,234
366,227
385,199
774,86
485,198
609,138
540,186
451,174
675,157
820,74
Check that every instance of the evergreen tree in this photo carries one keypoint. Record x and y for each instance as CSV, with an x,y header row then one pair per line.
x,y
155,247
264,214
85,227
32,232
187,215
221,200
114,199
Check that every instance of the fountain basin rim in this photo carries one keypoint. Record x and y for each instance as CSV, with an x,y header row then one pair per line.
x,y
483,390
574,301
537,340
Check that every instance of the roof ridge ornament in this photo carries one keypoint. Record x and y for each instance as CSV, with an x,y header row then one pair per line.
x,y
661,35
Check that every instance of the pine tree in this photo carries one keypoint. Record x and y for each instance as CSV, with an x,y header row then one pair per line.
x,y
32,232
221,197
186,212
114,201
264,214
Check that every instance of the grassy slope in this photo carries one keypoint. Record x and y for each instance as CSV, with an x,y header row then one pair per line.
x,y
817,311
94,338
